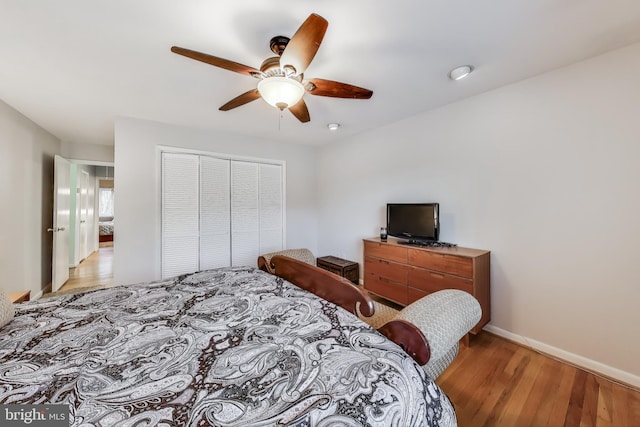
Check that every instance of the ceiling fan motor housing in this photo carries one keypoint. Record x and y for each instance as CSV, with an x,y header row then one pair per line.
x,y
278,43
271,66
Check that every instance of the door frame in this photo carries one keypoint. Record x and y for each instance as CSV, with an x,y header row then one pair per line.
x,y
93,236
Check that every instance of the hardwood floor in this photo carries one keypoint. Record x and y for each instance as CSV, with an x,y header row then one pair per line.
x,y
494,382
95,270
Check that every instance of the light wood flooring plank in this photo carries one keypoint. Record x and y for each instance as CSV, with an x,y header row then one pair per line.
x,y
495,382
95,270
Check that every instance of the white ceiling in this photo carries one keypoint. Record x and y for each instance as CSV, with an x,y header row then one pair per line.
x,y
72,66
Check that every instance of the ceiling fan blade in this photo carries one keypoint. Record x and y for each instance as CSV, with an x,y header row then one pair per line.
x,y
338,90
245,98
301,111
218,62
304,44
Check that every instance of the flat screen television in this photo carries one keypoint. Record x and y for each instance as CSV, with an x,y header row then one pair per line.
x,y
413,221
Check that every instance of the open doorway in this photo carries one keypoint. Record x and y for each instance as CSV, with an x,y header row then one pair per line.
x,y
91,249
106,198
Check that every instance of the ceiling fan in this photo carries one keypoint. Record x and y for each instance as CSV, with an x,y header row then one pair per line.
x,y
281,78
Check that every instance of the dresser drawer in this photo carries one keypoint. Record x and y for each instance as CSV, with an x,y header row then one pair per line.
x,y
383,250
386,288
414,294
460,266
432,281
387,269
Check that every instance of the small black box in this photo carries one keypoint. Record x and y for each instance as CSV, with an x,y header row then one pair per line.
x,y
348,269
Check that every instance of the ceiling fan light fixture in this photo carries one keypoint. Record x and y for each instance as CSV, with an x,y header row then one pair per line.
x,y
461,72
281,92
281,78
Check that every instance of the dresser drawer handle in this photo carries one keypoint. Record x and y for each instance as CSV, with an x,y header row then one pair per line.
x,y
383,261
437,276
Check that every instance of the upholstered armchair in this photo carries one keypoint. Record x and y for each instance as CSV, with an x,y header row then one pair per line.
x,y
302,254
444,317
6,309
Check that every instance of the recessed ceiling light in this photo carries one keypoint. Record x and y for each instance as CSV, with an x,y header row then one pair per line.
x,y
460,72
333,126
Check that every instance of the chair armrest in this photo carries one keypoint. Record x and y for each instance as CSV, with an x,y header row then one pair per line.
x,y
409,337
444,317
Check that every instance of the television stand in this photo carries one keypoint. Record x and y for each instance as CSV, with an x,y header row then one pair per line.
x,y
427,243
405,273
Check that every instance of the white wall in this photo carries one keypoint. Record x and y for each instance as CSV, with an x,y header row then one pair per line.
x,y
137,189
545,173
92,153
26,202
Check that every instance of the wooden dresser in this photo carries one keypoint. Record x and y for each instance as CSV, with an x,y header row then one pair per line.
x,y
405,273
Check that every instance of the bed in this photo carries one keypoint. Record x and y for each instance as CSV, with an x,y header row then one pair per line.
x,y
105,229
228,347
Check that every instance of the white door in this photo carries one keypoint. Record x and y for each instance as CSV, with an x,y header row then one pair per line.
x,y
180,214
271,209
245,219
61,216
215,217
84,210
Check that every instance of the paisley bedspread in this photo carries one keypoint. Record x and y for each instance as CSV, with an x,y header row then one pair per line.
x,y
227,347
105,228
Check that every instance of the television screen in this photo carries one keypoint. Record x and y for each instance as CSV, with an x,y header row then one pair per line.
x,y
413,221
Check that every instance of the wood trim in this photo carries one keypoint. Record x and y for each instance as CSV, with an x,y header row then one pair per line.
x,y
392,244
340,291
262,264
20,296
106,183
482,288
409,337
324,284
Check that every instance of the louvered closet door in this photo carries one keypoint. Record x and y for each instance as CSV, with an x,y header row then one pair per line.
x,y
245,235
271,209
218,212
180,213
215,213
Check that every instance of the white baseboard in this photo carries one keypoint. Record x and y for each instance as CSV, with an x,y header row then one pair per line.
x,y
574,359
